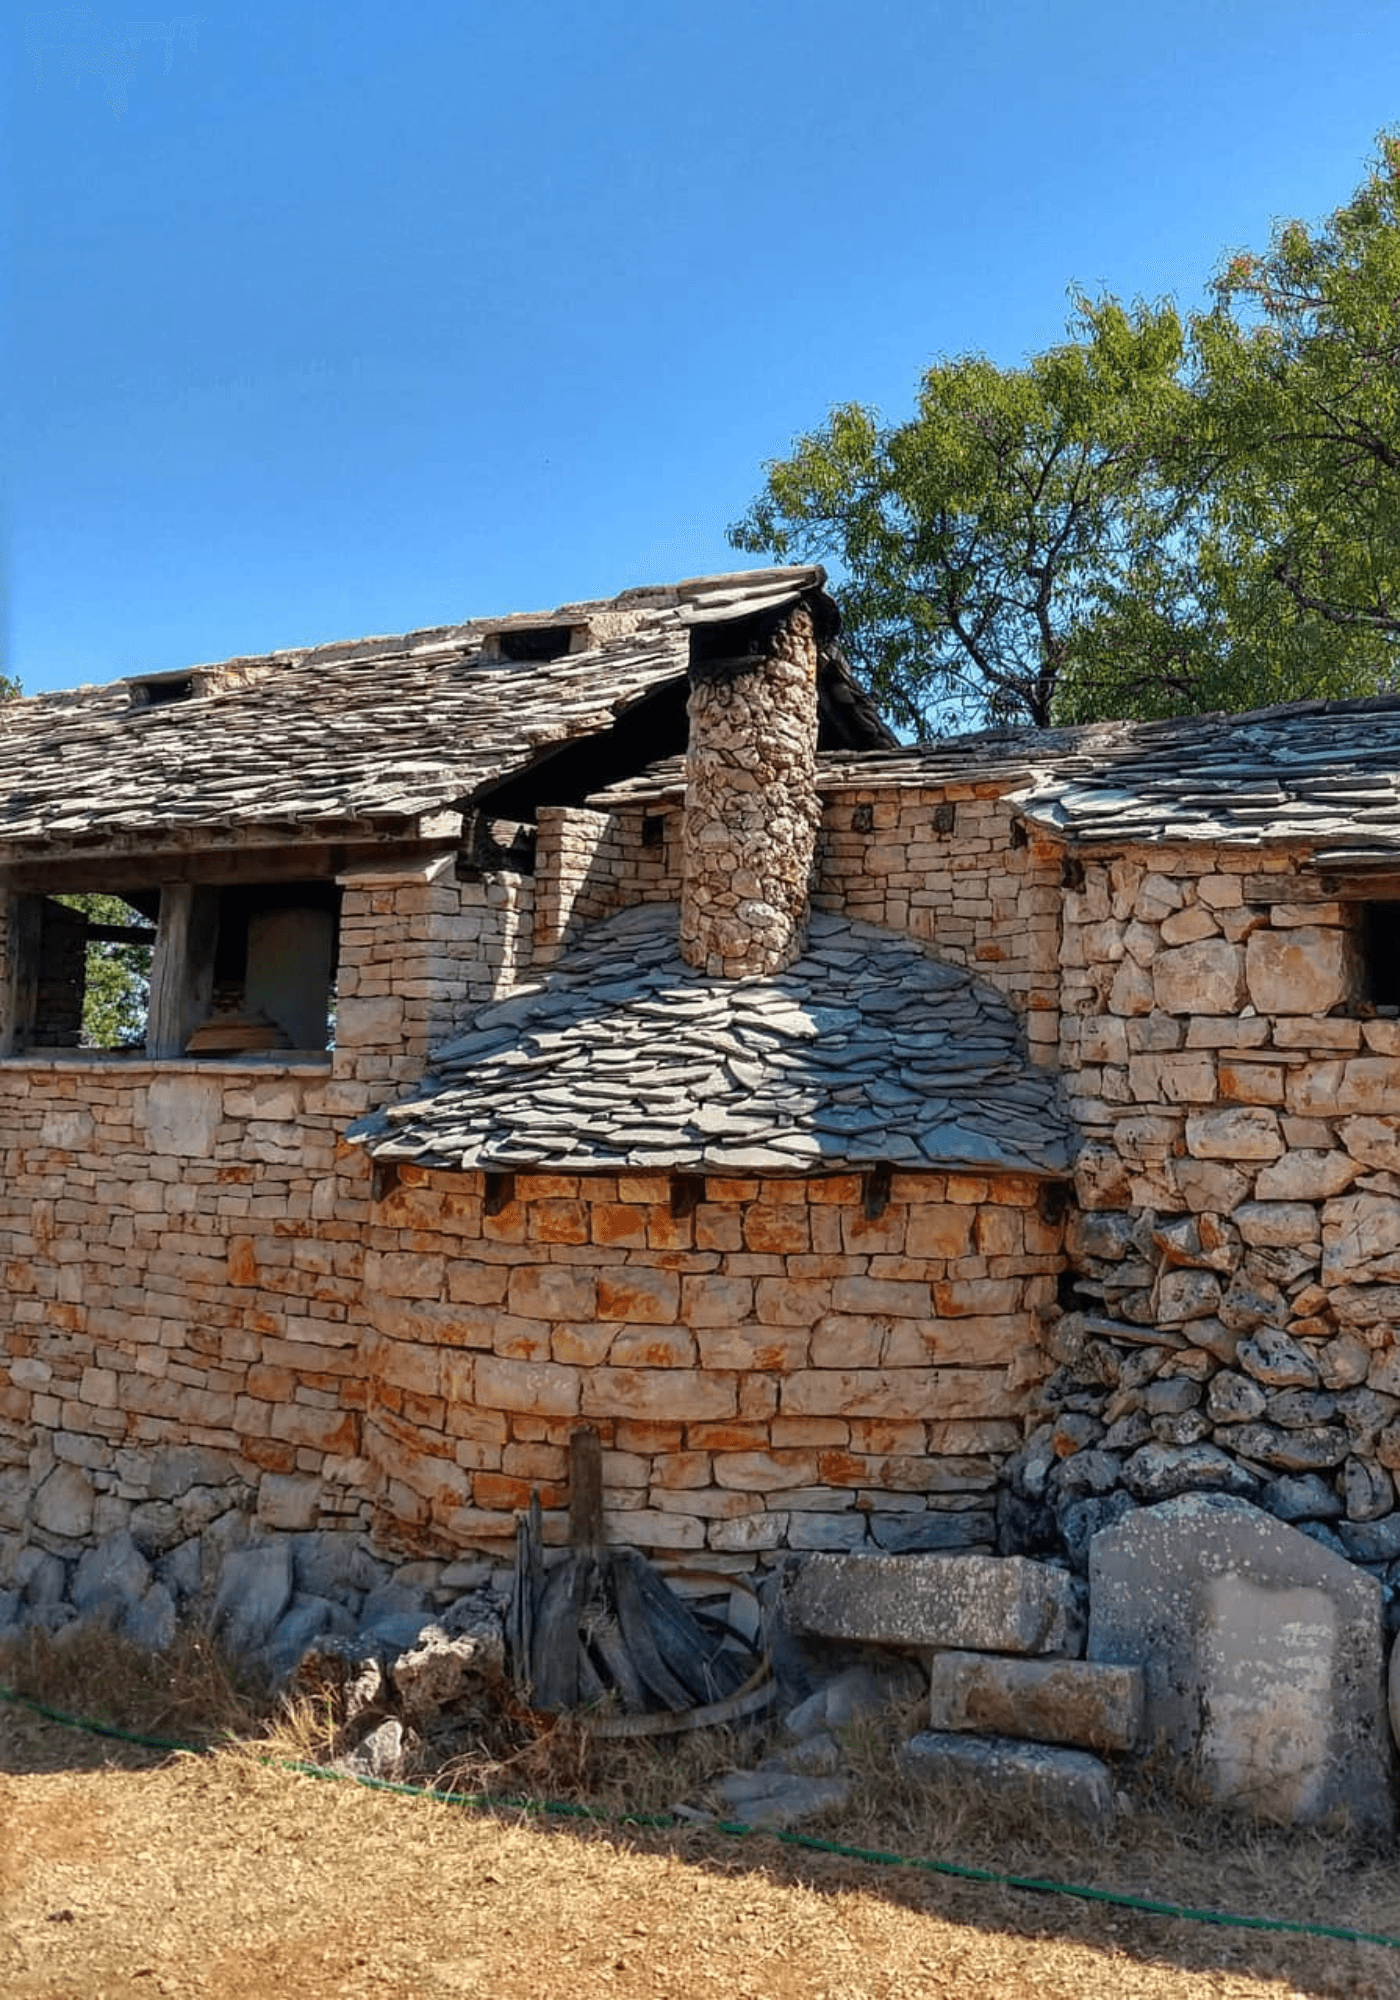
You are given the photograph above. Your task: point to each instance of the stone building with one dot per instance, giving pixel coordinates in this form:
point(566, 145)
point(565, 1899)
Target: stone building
point(595, 1018)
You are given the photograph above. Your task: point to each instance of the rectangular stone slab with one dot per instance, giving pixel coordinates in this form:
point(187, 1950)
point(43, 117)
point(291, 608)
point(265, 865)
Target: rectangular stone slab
point(1047, 1701)
point(1063, 1781)
point(970, 1603)
point(1262, 1656)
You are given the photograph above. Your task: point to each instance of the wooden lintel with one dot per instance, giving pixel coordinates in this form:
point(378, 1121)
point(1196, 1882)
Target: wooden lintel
point(1281, 888)
point(1361, 886)
point(111, 872)
point(1353, 883)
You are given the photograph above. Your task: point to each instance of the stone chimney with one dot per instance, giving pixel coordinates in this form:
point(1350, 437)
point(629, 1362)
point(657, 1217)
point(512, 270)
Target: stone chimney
point(751, 806)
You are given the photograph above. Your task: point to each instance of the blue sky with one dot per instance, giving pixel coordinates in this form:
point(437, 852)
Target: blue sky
point(357, 319)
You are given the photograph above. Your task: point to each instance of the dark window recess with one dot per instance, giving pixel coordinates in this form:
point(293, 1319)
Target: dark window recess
point(1380, 946)
point(498, 1192)
point(945, 817)
point(155, 693)
point(534, 642)
point(687, 1193)
point(862, 819)
point(653, 830)
point(875, 1190)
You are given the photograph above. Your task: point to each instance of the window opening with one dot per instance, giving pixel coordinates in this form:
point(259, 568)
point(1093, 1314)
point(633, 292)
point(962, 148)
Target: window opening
point(529, 644)
point(1380, 949)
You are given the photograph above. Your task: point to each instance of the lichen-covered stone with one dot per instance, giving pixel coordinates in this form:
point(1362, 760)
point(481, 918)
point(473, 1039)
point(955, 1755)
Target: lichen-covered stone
point(1051, 1779)
point(1079, 1702)
point(975, 1603)
point(1261, 1655)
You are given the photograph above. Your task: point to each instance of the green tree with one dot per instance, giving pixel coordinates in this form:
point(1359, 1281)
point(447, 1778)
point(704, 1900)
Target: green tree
point(1145, 520)
point(1300, 396)
point(118, 975)
point(977, 544)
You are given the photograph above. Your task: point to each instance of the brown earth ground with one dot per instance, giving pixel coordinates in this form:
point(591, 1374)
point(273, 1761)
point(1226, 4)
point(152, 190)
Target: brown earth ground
point(127, 1873)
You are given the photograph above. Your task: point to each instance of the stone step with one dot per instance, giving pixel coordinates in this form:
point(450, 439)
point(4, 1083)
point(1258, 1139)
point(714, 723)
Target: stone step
point(1080, 1702)
point(967, 1603)
point(1062, 1781)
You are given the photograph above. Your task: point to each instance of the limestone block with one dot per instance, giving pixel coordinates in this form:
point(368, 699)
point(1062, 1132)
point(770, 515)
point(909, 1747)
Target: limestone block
point(972, 1603)
point(287, 1500)
point(1184, 1294)
point(110, 1580)
point(1288, 1224)
point(1132, 993)
point(40, 1578)
point(1344, 1362)
point(1234, 1399)
point(1308, 1175)
point(826, 1531)
point(1261, 1655)
point(1065, 1781)
point(1370, 1085)
point(1302, 970)
point(1372, 1541)
point(1203, 1240)
point(151, 1621)
point(255, 1588)
point(903, 1534)
point(1209, 1185)
point(1189, 926)
point(1048, 1701)
point(1375, 1142)
point(1312, 1448)
point(780, 1798)
point(1158, 897)
point(183, 1115)
point(1368, 1488)
point(1203, 978)
point(67, 1129)
point(1300, 1496)
point(1250, 1133)
point(64, 1503)
point(1360, 1239)
point(1162, 1471)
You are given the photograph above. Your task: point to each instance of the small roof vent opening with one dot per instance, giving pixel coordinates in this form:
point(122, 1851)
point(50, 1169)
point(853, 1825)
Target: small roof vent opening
point(158, 690)
point(534, 644)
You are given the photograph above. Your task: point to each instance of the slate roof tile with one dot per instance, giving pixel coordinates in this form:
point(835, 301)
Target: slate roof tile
point(749, 1071)
point(363, 731)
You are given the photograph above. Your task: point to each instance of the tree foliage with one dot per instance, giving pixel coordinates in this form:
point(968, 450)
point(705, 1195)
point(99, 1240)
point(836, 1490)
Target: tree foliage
point(1150, 518)
point(117, 990)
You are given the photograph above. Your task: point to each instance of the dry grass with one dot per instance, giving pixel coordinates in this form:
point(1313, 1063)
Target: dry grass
point(191, 1694)
point(568, 1894)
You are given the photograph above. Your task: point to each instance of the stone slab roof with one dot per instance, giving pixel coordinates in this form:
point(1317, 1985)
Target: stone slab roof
point(864, 1050)
point(365, 732)
point(1322, 775)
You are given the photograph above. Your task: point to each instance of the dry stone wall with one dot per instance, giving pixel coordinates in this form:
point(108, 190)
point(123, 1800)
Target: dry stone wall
point(770, 1368)
point(1238, 1245)
point(953, 867)
point(210, 1311)
point(589, 864)
point(421, 948)
point(182, 1273)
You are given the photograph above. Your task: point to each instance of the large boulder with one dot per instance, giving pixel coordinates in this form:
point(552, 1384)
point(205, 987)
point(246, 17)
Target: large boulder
point(1261, 1655)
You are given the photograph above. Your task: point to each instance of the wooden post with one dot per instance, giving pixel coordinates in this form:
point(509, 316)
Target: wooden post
point(182, 966)
point(585, 1488)
point(19, 993)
